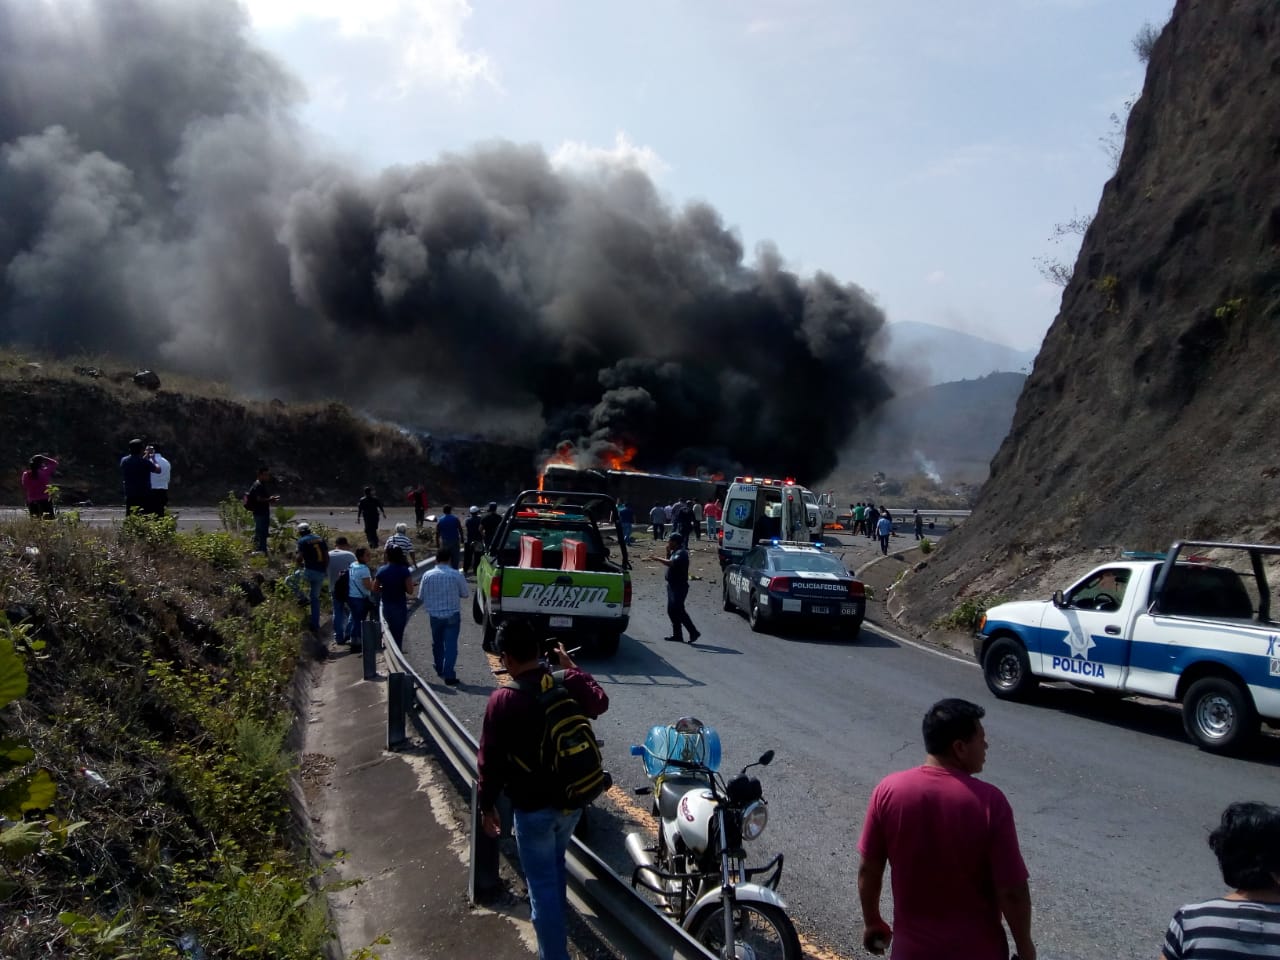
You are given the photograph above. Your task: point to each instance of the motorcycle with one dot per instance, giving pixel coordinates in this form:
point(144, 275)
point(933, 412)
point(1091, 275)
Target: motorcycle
point(698, 865)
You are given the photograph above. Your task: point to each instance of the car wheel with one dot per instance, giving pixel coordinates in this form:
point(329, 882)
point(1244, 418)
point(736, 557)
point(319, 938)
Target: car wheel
point(476, 613)
point(489, 643)
point(606, 643)
point(728, 602)
point(1007, 670)
point(853, 631)
point(753, 613)
point(1218, 715)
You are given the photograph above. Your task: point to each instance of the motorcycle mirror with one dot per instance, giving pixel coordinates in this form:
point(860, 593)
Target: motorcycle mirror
point(766, 758)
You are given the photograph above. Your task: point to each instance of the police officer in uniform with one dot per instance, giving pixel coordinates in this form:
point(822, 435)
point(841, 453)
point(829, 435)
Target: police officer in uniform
point(677, 564)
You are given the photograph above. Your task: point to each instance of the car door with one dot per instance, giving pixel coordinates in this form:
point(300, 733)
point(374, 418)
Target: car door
point(1083, 640)
point(748, 572)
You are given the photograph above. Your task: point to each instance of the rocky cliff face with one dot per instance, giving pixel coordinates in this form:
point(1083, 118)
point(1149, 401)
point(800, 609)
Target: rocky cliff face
point(1151, 411)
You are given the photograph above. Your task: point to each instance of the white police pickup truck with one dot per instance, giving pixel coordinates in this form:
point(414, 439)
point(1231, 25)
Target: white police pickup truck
point(1180, 626)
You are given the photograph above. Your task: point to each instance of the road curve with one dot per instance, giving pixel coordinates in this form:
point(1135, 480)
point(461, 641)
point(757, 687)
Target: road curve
point(1112, 804)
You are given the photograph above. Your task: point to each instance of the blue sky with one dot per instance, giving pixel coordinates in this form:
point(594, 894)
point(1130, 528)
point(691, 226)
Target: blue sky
point(923, 150)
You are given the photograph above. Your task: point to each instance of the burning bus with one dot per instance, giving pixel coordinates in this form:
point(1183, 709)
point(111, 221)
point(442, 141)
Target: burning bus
point(640, 490)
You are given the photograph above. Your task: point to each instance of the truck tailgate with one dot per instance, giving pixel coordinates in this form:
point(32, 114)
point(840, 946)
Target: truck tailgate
point(592, 594)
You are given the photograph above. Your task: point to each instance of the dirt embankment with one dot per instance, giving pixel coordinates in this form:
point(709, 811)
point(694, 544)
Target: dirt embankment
point(320, 453)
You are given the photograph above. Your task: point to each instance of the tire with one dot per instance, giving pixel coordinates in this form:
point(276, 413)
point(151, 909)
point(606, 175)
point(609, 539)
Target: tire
point(490, 642)
point(753, 614)
point(1007, 670)
point(606, 643)
point(852, 633)
point(728, 604)
point(1218, 715)
point(476, 613)
point(765, 928)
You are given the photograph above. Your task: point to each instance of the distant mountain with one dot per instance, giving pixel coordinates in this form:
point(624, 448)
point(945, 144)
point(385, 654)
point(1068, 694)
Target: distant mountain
point(941, 355)
point(948, 432)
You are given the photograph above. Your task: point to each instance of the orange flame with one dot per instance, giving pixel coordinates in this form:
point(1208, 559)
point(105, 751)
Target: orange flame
point(621, 458)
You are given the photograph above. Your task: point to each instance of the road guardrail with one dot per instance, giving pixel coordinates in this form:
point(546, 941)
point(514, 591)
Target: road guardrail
point(633, 923)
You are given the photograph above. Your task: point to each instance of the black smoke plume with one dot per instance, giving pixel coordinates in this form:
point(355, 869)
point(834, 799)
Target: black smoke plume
point(159, 201)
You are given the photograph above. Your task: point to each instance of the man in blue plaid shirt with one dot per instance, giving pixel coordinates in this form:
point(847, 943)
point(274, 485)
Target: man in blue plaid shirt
point(442, 590)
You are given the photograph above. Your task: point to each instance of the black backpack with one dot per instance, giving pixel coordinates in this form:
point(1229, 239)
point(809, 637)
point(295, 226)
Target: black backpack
point(569, 766)
point(342, 586)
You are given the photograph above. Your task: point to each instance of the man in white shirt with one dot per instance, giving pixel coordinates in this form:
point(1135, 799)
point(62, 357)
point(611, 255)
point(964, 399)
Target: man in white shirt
point(159, 481)
point(442, 590)
point(340, 559)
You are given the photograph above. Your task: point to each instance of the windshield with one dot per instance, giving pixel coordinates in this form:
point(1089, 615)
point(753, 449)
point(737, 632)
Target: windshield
point(805, 562)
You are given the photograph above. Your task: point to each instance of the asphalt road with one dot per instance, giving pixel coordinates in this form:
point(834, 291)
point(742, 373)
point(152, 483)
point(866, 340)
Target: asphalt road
point(1113, 805)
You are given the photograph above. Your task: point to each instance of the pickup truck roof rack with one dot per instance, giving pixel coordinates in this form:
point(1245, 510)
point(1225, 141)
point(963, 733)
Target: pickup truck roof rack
point(553, 504)
point(1256, 551)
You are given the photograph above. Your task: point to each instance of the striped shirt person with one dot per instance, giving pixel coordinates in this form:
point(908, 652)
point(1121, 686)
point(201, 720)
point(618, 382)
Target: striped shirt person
point(442, 590)
point(401, 539)
point(1246, 922)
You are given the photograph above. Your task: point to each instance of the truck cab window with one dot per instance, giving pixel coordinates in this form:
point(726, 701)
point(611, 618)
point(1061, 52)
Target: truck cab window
point(1104, 590)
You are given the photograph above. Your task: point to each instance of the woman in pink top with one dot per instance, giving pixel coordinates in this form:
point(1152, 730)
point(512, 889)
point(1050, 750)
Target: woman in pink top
point(35, 484)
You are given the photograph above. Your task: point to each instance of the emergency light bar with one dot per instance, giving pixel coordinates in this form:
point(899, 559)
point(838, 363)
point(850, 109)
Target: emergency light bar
point(766, 481)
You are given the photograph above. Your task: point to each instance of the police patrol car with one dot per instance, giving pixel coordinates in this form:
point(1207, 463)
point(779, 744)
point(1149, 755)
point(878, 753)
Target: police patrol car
point(761, 509)
point(779, 580)
point(1178, 626)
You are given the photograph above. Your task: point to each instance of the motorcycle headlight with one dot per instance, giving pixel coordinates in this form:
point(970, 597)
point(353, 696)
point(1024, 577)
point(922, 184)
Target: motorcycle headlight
point(754, 819)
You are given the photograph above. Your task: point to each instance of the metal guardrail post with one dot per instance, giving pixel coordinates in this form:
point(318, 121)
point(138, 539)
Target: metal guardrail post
point(399, 696)
point(370, 635)
point(483, 880)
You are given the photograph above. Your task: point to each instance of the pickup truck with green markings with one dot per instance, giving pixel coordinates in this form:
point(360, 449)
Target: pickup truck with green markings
point(590, 606)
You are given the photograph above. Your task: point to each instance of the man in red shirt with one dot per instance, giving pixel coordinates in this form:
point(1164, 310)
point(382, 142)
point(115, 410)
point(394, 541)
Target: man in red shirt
point(953, 847)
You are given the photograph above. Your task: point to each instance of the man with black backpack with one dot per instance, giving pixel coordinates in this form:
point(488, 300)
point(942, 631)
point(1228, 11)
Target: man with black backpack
point(313, 554)
point(537, 745)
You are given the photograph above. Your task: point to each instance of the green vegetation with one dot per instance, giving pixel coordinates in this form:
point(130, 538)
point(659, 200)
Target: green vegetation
point(1109, 287)
point(144, 772)
point(968, 613)
point(926, 546)
point(1230, 310)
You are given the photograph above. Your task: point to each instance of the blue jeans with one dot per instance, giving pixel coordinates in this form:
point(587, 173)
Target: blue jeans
point(358, 606)
point(340, 613)
point(261, 527)
point(712, 525)
point(542, 837)
point(444, 643)
point(396, 615)
point(316, 579)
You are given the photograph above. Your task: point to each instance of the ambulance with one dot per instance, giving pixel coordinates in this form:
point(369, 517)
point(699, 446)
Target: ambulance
point(764, 508)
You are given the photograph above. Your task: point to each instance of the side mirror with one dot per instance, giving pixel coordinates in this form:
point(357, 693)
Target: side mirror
point(766, 758)
point(1057, 598)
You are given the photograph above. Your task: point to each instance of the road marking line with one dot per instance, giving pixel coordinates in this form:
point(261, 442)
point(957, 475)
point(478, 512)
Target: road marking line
point(926, 647)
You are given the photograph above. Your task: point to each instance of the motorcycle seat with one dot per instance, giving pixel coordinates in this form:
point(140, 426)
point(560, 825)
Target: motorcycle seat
point(673, 788)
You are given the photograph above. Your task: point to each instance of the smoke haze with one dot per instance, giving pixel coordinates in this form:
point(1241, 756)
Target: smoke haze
point(160, 203)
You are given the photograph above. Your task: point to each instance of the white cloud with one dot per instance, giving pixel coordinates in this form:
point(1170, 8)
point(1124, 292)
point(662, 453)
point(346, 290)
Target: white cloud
point(579, 155)
point(423, 39)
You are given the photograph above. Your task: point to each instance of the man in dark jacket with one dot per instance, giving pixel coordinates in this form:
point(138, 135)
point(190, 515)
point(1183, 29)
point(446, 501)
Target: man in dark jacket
point(677, 564)
point(258, 501)
point(367, 510)
point(136, 471)
point(489, 523)
point(513, 728)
